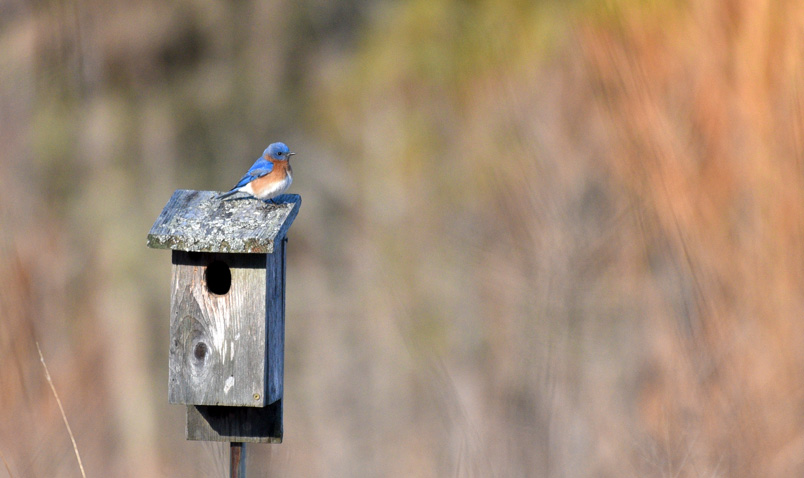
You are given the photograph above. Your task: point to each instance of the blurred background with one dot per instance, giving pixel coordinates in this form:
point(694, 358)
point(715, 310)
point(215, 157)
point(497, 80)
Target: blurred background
point(538, 239)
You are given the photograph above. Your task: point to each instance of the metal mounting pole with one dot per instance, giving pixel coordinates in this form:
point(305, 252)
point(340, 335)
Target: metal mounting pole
point(237, 457)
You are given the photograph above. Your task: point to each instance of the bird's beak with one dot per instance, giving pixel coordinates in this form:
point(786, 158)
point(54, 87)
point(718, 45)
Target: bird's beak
point(291, 154)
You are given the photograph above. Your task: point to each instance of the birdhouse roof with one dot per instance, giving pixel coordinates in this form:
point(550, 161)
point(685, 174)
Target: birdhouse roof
point(199, 221)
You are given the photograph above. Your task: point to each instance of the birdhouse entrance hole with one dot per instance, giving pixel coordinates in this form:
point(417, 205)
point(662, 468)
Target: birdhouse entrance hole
point(218, 278)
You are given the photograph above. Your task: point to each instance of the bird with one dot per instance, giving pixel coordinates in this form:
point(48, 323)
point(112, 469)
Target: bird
point(268, 177)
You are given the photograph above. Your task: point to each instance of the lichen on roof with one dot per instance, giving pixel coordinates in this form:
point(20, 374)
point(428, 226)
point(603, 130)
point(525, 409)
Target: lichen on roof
point(199, 221)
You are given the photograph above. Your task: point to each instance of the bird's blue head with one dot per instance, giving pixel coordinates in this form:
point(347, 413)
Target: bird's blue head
point(277, 151)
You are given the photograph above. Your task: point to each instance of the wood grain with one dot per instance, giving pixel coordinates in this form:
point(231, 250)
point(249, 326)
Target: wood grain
point(218, 342)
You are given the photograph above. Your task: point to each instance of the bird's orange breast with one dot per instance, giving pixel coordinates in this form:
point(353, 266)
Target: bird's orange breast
point(279, 173)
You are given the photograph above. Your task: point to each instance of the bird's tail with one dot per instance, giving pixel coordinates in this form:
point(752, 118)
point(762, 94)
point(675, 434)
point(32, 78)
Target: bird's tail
point(227, 194)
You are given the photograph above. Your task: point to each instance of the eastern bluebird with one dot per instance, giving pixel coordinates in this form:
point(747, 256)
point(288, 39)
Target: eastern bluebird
point(268, 177)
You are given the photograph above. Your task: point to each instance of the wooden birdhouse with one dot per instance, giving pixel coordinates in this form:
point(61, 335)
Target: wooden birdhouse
point(227, 312)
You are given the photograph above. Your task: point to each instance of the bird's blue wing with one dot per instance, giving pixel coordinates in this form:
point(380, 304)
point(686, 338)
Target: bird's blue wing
point(260, 168)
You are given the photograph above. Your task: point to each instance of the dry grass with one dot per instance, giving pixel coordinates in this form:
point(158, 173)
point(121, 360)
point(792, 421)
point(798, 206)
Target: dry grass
point(61, 410)
point(706, 131)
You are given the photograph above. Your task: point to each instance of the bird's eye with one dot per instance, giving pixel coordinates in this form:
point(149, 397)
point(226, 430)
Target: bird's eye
point(280, 153)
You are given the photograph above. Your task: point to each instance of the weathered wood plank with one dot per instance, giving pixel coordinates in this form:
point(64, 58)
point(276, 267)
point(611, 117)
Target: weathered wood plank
point(198, 221)
point(218, 341)
point(275, 318)
point(243, 424)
